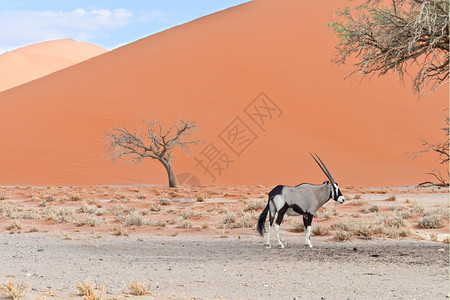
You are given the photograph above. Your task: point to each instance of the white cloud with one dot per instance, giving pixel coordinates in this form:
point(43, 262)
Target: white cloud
point(26, 27)
point(155, 15)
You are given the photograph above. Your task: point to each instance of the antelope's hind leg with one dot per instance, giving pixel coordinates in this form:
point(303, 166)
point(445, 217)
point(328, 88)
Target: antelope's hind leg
point(278, 223)
point(271, 218)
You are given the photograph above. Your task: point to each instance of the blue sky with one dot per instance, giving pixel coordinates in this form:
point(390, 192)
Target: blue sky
point(108, 23)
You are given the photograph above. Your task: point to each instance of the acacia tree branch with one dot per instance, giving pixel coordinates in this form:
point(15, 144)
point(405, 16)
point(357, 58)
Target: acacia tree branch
point(393, 38)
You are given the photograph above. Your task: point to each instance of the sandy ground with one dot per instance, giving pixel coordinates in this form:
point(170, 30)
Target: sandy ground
point(209, 267)
point(202, 244)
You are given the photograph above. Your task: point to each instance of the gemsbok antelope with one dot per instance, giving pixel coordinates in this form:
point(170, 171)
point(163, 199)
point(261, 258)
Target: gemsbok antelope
point(304, 199)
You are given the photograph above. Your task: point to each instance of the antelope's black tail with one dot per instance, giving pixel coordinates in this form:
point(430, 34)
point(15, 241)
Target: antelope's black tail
point(262, 219)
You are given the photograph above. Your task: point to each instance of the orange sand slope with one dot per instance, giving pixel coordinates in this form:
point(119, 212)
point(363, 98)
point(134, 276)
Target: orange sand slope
point(34, 61)
point(258, 80)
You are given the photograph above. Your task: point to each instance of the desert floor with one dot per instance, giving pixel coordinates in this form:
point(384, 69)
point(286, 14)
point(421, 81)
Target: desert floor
point(201, 242)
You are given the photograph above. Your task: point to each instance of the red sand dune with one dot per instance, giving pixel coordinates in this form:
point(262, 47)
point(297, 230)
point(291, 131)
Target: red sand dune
point(34, 61)
point(211, 70)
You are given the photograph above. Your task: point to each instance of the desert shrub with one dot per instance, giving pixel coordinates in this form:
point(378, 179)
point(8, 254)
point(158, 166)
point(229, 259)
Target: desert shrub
point(299, 226)
point(134, 219)
point(187, 214)
point(393, 232)
point(319, 230)
point(391, 198)
point(155, 207)
point(344, 225)
point(74, 197)
point(183, 223)
point(358, 202)
point(87, 220)
point(245, 220)
point(32, 214)
point(416, 209)
point(87, 209)
point(374, 208)
point(201, 198)
point(157, 223)
point(390, 225)
point(363, 230)
point(243, 197)
point(165, 201)
point(49, 198)
point(393, 225)
point(8, 211)
point(342, 235)
point(254, 205)
point(13, 290)
point(431, 222)
point(141, 196)
point(229, 220)
point(439, 211)
point(396, 208)
point(405, 214)
point(59, 214)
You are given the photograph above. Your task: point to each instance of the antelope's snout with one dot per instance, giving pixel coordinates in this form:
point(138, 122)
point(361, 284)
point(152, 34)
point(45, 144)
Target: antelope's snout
point(341, 199)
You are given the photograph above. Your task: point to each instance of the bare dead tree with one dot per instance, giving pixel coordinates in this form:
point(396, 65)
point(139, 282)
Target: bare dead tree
point(442, 149)
point(152, 142)
point(407, 36)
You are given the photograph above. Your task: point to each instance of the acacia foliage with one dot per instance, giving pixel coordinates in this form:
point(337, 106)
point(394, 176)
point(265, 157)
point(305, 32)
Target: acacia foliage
point(409, 37)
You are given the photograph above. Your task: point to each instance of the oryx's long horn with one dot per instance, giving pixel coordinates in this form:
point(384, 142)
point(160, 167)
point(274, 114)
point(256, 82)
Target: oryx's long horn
point(323, 167)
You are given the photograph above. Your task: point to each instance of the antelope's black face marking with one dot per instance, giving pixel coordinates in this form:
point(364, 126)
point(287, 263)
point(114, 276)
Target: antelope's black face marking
point(337, 195)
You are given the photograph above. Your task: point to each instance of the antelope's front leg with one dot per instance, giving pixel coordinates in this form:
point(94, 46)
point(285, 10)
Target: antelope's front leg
point(307, 220)
point(308, 237)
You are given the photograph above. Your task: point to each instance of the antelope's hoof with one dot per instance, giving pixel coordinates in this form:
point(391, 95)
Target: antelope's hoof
point(267, 246)
point(281, 246)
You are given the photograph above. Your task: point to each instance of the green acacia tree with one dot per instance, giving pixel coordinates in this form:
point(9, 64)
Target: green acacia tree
point(408, 37)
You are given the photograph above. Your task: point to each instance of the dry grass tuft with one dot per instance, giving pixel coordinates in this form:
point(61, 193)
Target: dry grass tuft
point(13, 290)
point(89, 290)
point(136, 288)
point(14, 226)
point(119, 231)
